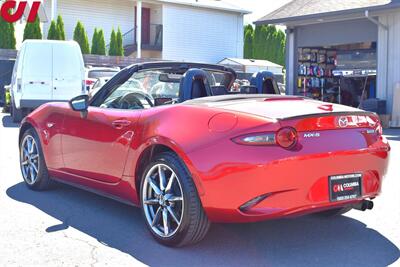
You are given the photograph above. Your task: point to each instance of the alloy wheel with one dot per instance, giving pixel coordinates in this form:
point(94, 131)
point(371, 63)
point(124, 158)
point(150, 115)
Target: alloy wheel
point(29, 158)
point(162, 199)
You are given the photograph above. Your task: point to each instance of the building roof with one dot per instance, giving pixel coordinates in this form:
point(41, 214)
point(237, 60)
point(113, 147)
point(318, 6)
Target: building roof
point(209, 4)
point(253, 62)
point(298, 10)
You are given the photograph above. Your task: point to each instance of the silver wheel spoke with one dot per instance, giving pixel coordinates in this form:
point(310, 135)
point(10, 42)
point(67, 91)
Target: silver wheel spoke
point(30, 146)
point(172, 213)
point(154, 186)
point(26, 152)
point(170, 182)
point(31, 174)
point(34, 167)
point(165, 221)
point(156, 217)
point(151, 202)
point(175, 199)
point(161, 176)
point(24, 163)
point(35, 156)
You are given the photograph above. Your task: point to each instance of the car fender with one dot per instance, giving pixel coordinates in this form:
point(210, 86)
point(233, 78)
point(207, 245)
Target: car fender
point(135, 155)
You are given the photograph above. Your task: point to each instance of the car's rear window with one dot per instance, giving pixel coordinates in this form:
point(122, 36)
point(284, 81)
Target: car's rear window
point(95, 74)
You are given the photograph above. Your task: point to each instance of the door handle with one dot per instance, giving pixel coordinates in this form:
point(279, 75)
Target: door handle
point(119, 124)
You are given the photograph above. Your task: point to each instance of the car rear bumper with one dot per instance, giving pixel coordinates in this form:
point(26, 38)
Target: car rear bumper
point(292, 186)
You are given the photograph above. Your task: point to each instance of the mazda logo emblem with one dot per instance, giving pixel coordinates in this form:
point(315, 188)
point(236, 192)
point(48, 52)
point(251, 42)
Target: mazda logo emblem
point(343, 122)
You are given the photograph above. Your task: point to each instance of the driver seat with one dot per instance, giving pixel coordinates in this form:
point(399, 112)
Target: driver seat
point(194, 84)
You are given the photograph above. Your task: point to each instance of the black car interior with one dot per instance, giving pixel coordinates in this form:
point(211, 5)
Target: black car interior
point(194, 80)
point(194, 84)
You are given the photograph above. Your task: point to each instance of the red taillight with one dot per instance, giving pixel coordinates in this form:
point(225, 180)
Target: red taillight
point(287, 137)
point(89, 82)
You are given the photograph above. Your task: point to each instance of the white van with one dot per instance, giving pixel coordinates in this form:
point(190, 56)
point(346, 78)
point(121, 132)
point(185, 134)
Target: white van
point(46, 71)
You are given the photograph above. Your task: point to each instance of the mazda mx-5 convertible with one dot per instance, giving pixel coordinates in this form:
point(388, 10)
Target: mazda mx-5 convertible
point(174, 140)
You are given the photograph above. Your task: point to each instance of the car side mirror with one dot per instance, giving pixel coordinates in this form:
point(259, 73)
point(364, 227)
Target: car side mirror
point(81, 104)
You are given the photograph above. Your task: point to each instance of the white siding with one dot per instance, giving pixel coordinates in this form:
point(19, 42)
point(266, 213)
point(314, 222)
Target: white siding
point(389, 57)
point(203, 35)
point(103, 14)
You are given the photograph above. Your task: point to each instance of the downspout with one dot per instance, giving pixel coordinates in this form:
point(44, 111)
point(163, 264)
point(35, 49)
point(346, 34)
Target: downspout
point(386, 28)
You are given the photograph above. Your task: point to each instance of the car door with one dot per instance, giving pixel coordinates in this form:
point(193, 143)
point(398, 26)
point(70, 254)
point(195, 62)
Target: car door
point(96, 147)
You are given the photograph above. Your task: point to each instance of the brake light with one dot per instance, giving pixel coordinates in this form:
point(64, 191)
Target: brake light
point(287, 137)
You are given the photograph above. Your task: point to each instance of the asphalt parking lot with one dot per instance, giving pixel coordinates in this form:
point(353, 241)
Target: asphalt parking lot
point(70, 227)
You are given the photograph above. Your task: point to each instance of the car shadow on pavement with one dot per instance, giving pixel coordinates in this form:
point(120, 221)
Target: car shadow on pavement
point(8, 123)
point(305, 241)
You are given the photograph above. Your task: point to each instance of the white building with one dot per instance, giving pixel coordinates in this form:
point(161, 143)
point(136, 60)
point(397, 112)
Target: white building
point(189, 30)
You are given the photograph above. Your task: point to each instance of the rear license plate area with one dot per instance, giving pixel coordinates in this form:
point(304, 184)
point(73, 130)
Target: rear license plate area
point(345, 187)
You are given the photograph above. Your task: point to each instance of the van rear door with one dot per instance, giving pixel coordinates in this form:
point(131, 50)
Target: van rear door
point(68, 71)
point(37, 71)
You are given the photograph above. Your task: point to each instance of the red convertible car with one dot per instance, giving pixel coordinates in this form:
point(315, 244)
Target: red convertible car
point(171, 138)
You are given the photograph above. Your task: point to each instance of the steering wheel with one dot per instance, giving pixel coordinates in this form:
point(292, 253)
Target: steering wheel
point(133, 100)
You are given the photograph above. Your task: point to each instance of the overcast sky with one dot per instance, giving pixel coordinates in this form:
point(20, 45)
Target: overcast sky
point(259, 8)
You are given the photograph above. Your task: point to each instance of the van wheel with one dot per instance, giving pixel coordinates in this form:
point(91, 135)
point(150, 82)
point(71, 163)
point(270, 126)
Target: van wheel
point(16, 114)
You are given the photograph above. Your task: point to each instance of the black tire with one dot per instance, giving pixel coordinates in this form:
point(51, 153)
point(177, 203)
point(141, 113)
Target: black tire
point(333, 212)
point(16, 114)
point(194, 222)
point(43, 180)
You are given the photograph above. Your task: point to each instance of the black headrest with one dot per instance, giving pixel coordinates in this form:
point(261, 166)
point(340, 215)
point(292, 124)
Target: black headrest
point(248, 89)
point(219, 90)
point(194, 84)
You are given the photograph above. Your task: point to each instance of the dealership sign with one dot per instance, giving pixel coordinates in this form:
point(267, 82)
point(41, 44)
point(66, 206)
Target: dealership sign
point(12, 12)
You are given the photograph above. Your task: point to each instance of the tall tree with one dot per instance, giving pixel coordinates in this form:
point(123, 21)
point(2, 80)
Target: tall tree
point(101, 43)
point(120, 46)
point(80, 36)
point(267, 43)
point(7, 34)
point(60, 27)
point(54, 33)
point(248, 42)
point(33, 30)
point(94, 42)
point(113, 44)
point(11, 33)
